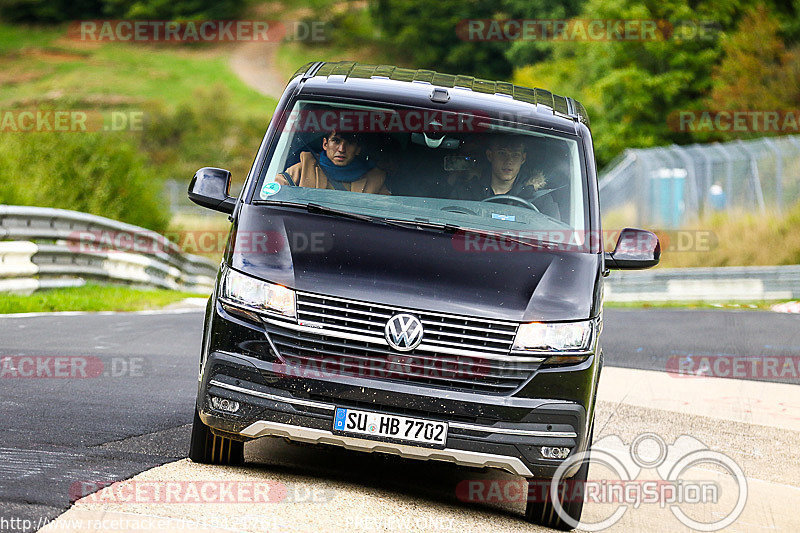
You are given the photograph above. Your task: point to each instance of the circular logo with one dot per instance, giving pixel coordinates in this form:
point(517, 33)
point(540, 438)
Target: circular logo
point(269, 189)
point(403, 332)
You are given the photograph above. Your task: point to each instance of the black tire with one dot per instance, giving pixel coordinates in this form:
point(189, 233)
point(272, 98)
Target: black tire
point(207, 448)
point(540, 509)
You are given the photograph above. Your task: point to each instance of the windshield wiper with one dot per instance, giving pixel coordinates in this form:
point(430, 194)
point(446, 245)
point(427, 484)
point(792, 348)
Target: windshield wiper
point(419, 224)
point(453, 228)
point(317, 208)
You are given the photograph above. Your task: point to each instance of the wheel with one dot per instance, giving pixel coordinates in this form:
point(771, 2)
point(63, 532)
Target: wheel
point(540, 509)
point(207, 448)
point(508, 198)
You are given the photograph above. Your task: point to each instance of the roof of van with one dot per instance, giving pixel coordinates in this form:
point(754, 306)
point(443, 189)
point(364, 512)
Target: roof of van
point(560, 105)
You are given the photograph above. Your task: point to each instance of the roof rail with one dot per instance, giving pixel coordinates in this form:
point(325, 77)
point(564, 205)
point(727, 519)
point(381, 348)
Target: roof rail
point(563, 106)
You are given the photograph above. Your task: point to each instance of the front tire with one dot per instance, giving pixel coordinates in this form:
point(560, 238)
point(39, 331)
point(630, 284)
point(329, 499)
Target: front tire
point(208, 448)
point(540, 509)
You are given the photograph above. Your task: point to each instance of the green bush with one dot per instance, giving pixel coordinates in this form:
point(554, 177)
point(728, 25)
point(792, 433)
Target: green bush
point(91, 172)
point(174, 9)
point(206, 132)
point(50, 11)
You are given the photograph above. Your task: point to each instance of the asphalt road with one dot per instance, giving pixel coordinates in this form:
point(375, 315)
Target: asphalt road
point(59, 431)
point(659, 339)
point(55, 432)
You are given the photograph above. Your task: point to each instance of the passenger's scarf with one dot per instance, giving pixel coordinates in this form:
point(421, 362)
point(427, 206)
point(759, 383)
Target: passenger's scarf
point(348, 173)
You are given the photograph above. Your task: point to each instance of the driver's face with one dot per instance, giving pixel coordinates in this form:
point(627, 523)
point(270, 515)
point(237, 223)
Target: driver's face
point(506, 160)
point(340, 150)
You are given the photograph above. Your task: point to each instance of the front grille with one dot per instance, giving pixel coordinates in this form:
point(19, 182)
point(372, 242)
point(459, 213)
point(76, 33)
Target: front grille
point(457, 352)
point(447, 331)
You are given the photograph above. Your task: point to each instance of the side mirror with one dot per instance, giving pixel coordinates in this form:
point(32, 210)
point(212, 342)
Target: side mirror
point(636, 249)
point(209, 188)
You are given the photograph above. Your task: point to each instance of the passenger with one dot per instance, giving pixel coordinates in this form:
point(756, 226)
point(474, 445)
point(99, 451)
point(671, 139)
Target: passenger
point(336, 167)
point(506, 155)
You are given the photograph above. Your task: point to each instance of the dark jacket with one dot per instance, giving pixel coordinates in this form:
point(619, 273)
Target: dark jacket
point(480, 188)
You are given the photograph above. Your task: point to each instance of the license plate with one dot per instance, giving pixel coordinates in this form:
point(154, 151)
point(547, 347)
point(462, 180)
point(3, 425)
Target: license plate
point(381, 426)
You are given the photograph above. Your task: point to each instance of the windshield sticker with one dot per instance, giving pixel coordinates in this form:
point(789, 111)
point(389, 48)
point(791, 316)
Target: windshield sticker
point(269, 189)
point(499, 216)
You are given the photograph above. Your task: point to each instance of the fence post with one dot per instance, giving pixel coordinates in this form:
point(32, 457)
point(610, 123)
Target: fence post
point(691, 178)
point(778, 172)
point(754, 173)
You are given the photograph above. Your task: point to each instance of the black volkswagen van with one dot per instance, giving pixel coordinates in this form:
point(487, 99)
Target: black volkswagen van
point(415, 267)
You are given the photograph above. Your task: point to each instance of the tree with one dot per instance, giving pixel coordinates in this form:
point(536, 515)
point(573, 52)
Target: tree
point(50, 11)
point(632, 88)
point(423, 34)
point(757, 71)
point(434, 35)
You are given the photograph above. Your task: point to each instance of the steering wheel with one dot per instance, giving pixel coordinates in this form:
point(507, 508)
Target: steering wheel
point(506, 198)
point(541, 193)
point(458, 209)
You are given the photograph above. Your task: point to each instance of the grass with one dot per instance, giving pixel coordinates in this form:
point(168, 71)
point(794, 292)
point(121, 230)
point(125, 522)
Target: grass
point(40, 65)
point(724, 239)
point(92, 297)
point(292, 55)
point(200, 235)
point(739, 239)
point(349, 30)
point(18, 36)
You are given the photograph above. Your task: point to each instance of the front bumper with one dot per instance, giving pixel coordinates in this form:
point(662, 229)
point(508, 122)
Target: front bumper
point(484, 431)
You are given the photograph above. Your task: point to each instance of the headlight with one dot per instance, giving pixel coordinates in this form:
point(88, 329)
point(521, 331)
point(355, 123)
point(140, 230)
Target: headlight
point(257, 295)
point(554, 337)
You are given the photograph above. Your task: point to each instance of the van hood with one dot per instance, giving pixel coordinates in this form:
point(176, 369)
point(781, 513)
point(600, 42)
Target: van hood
point(412, 268)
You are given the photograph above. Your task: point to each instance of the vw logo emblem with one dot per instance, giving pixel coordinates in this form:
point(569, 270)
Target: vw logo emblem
point(403, 332)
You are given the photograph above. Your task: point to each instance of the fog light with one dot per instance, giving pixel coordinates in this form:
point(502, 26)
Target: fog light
point(551, 452)
point(223, 404)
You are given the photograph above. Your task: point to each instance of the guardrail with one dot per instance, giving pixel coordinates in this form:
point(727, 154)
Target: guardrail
point(46, 247)
point(704, 284)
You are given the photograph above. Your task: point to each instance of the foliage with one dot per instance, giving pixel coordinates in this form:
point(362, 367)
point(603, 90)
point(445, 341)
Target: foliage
point(424, 34)
point(441, 27)
point(96, 173)
point(50, 11)
point(206, 132)
point(174, 9)
point(630, 88)
point(758, 72)
point(744, 238)
point(187, 123)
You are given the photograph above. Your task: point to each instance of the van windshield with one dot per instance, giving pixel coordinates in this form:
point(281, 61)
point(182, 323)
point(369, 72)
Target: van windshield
point(429, 166)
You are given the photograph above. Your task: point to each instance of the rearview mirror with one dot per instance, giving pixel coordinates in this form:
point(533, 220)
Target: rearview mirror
point(209, 188)
point(635, 249)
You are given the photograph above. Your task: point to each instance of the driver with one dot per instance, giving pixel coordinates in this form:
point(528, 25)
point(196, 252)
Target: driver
point(336, 167)
point(506, 155)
